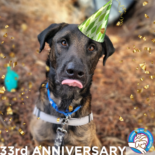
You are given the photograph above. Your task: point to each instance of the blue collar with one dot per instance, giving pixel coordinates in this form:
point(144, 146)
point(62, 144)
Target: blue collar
point(53, 104)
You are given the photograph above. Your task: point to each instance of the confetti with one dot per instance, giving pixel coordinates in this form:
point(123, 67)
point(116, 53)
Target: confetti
point(14, 99)
point(21, 131)
point(137, 68)
point(146, 87)
point(145, 114)
point(4, 97)
point(58, 119)
point(1, 113)
point(47, 68)
point(121, 61)
point(144, 38)
point(30, 85)
point(14, 64)
point(153, 40)
point(146, 16)
point(10, 119)
point(24, 123)
point(2, 55)
point(148, 99)
point(5, 35)
point(143, 66)
point(141, 79)
point(13, 90)
point(9, 111)
point(135, 108)
point(2, 90)
point(27, 97)
point(6, 26)
point(13, 46)
point(102, 30)
point(138, 84)
point(12, 38)
point(118, 23)
point(145, 3)
point(146, 128)
point(152, 149)
point(37, 51)
point(39, 147)
point(147, 72)
point(42, 85)
point(139, 90)
point(139, 36)
point(2, 42)
point(131, 97)
point(121, 119)
point(70, 108)
point(0, 131)
point(134, 51)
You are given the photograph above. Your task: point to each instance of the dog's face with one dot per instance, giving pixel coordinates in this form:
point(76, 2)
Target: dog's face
point(73, 56)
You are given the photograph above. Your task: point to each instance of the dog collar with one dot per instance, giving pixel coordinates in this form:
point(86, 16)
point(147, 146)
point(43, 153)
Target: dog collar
point(53, 104)
point(71, 121)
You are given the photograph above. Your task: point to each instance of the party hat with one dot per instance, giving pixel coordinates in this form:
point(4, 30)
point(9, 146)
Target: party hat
point(95, 26)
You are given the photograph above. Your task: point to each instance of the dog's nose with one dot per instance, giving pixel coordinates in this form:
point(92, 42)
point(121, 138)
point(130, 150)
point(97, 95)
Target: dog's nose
point(74, 71)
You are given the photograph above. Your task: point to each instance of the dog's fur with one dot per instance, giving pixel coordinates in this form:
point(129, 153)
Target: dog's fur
point(77, 53)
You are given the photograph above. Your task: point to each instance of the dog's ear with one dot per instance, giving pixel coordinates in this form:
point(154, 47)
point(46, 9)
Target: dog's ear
point(48, 34)
point(108, 48)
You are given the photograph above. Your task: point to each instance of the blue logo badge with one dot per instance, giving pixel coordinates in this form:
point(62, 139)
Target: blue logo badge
point(140, 140)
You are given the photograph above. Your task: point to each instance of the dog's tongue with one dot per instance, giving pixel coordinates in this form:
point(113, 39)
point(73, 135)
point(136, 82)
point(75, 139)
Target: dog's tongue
point(73, 83)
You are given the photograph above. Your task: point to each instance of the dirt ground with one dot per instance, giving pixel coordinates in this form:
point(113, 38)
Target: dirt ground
point(112, 85)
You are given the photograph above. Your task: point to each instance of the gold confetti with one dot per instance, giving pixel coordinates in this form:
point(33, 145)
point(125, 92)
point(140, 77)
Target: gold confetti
point(2, 42)
point(121, 61)
point(10, 119)
point(9, 111)
point(146, 128)
point(23, 64)
point(145, 3)
point(153, 40)
point(102, 30)
point(21, 131)
point(24, 27)
point(6, 26)
point(47, 68)
point(38, 118)
point(5, 35)
point(139, 36)
point(121, 119)
point(27, 97)
point(70, 108)
point(2, 55)
point(58, 119)
point(2, 139)
point(146, 87)
point(128, 47)
point(2, 90)
point(138, 84)
point(139, 90)
point(24, 123)
point(135, 108)
point(152, 149)
point(37, 51)
point(14, 99)
point(22, 93)
point(134, 51)
point(39, 147)
point(118, 23)
point(16, 78)
point(148, 99)
point(151, 77)
point(13, 46)
point(131, 97)
point(42, 85)
point(14, 64)
point(12, 38)
point(143, 66)
point(22, 99)
point(13, 90)
point(144, 38)
point(137, 68)
point(145, 114)
point(141, 79)
point(29, 74)
point(1, 113)
point(4, 97)
point(12, 54)
point(147, 72)
point(0, 131)
point(146, 16)
point(30, 85)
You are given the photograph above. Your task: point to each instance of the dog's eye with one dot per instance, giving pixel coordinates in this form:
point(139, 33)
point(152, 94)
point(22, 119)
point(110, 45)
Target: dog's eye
point(64, 42)
point(91, 48)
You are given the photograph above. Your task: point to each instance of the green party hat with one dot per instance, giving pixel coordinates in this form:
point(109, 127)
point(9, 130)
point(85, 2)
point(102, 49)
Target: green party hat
point(95, 26)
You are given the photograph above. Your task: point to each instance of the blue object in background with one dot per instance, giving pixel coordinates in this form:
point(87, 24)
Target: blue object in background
point(11, 79)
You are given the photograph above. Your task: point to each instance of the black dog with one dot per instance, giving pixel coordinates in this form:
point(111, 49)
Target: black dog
point(72, 59)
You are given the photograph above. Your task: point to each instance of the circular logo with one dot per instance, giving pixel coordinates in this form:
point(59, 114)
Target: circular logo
point(140, 140)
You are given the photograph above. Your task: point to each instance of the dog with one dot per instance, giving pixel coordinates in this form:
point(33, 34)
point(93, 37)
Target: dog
point(72, 59)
